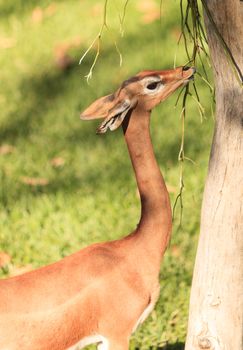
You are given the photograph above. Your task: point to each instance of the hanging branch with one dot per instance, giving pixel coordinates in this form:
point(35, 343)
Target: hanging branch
point(122, 18)
point(98, 40)
point(192, 32)
point(181, 156)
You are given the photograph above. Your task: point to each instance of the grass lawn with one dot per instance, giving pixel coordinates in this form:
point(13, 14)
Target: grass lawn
point(61, 186)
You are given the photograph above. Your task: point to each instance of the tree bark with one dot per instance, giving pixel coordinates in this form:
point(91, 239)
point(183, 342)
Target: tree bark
point(216, 303)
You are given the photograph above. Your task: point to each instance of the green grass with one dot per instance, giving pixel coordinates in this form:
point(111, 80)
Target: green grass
point(92, 196)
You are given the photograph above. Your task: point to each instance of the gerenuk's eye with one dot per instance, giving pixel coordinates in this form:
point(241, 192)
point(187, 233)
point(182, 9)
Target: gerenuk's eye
point(153, 86)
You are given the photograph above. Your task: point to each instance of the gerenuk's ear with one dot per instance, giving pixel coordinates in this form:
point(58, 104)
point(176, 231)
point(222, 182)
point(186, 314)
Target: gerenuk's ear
point(99, 108)
point(115, 116)
point(113, 108)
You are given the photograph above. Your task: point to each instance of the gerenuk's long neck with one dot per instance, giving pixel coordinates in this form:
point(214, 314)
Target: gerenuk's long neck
point(155, 223)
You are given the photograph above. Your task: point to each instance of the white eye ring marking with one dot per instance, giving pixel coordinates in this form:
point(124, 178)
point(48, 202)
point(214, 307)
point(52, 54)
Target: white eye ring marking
point(153, 86)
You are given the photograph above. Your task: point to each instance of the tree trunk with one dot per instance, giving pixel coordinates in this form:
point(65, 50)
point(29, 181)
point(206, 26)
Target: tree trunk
point(216, 304)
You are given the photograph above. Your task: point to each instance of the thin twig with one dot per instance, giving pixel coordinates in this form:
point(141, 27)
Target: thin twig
point(122, 18)
point(192, 31)
point(97, 41)
point(178, 98)
point(181, 155)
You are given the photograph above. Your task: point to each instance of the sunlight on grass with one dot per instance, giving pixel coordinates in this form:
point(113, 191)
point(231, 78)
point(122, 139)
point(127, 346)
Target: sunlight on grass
point(50, 209)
